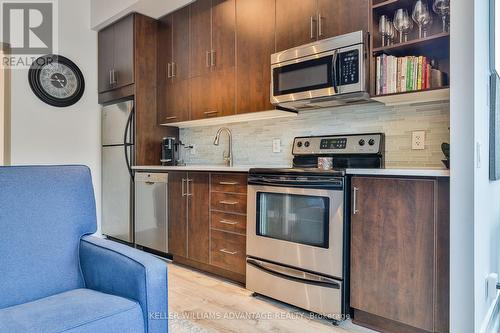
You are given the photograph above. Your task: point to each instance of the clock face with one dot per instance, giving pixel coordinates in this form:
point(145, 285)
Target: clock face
point(56, 80)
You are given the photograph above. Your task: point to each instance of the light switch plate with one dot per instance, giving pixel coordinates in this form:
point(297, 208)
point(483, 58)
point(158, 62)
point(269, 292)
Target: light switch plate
point(276, 146)
point(418, 140)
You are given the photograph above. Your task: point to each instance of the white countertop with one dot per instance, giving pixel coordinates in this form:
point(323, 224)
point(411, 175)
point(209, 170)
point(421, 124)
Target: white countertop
point(195, 167)
point(411, 172)
point(401, 172)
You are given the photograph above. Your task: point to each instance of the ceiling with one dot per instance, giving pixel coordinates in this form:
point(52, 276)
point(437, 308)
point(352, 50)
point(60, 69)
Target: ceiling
point(106, 12)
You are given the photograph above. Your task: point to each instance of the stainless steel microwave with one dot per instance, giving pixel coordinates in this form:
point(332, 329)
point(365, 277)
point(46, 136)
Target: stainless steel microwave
point(326, 73)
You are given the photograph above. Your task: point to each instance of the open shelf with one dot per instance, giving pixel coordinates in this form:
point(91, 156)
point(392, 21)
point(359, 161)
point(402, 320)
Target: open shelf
point(412, 97)
point(436, 41)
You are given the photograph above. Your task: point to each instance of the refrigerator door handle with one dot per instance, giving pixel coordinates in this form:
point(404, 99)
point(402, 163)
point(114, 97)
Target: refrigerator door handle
point(126, 145)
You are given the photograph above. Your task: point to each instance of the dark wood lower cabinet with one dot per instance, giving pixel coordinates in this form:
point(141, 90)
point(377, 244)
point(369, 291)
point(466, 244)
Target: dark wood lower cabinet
point(400, 254)
point(177, 214)
point(217, 246)
point(198, 218)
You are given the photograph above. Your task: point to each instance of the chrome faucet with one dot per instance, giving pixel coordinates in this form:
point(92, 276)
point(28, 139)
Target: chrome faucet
point(228, 157)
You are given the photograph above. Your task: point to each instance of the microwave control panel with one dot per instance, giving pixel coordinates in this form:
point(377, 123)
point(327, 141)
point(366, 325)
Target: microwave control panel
point(349, 67)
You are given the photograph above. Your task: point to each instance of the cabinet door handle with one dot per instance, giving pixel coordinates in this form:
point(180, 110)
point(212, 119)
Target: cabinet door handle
point(320, 25)
point(355, 200)
point(170, 118)
point(312, 27)
point(228, 252)
point(228, 183)
point(212, 58)
point(208, 58)
point(183, 187)
point(228, 222)
point(110, 77)
point(225, 202)
point(189, 193)
point(174, 69)
point(210, 113)
point(169, 70)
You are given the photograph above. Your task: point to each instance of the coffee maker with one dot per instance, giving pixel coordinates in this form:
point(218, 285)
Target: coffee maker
point(169, 151)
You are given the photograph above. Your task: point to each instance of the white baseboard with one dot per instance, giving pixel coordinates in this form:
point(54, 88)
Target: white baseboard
point(491, 322)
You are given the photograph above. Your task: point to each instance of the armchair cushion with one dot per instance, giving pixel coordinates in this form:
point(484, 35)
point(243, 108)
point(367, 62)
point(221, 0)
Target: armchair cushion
point(78, 310)
point(120, 270)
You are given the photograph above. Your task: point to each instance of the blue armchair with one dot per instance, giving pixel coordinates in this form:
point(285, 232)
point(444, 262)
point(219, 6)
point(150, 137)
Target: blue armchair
point(54, 277)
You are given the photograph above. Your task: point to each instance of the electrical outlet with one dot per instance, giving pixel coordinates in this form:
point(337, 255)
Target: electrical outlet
point(418, 140)
point(276, 146)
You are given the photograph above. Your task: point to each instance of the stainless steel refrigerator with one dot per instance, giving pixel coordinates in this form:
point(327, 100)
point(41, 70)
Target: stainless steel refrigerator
point(117, 176)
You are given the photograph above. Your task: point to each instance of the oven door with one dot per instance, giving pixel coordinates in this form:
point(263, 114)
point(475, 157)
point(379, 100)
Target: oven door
point(298, 227)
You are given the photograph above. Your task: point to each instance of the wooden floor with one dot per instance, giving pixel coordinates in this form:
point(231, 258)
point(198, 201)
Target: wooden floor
point(202, 303)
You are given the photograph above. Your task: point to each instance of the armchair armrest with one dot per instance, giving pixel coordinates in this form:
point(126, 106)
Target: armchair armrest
point(120, 270)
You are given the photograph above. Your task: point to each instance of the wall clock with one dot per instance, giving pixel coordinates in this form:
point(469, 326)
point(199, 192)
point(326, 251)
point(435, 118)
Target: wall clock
point(56, 80)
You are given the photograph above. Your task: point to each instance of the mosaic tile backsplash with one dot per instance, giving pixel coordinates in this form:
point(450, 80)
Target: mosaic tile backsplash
point(252, 141)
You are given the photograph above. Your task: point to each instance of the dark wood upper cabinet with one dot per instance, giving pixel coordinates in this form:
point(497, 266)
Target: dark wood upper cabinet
point(200, 37)
point(212, 58)
point(116, 55)
point(296, 23)
point(300, 22)
point(177, 214)
point(397, 242)
point(124, 51)
point(338, 17)
point(223, 34)
point(198, 212)
point(106, 58)
point(255, 43)
point(173, 67)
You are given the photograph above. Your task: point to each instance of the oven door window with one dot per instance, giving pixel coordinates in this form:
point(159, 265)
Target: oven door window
point(302, 219)
point(303, 76)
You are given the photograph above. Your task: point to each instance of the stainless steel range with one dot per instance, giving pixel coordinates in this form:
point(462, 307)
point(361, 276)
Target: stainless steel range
point(298, 223)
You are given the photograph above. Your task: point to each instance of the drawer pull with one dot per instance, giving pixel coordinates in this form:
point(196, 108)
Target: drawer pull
point(228, 183)
point(228, 252)
point(224, 202)
point(228, 222)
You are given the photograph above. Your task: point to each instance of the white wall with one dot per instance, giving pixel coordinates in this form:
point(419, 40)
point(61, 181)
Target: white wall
point(462, 167)
point(486, 193)
point(42, 134)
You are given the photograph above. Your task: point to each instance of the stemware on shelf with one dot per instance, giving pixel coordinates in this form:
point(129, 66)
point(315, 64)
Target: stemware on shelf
point(422, 16)
point(382, 28)
point(442, 8)
point(403, 24)
point(390, 32)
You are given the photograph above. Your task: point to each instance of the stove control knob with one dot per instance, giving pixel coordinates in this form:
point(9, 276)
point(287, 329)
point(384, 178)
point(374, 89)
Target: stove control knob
point(299, 144)
point(306, 144)
point(371, 142)
point(362, 142)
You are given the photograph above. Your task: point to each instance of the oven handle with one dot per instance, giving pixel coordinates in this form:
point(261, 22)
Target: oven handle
point(332, 186)
point(321, 281)
point(303, 184)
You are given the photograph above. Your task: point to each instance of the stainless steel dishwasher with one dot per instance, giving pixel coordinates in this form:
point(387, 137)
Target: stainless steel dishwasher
point(151, 210)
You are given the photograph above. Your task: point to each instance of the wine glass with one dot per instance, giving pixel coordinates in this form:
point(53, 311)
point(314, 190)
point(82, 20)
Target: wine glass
point(382, 27)
point(402, 23)
point(442, 8)
point(422, 16)
point(390, 32)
